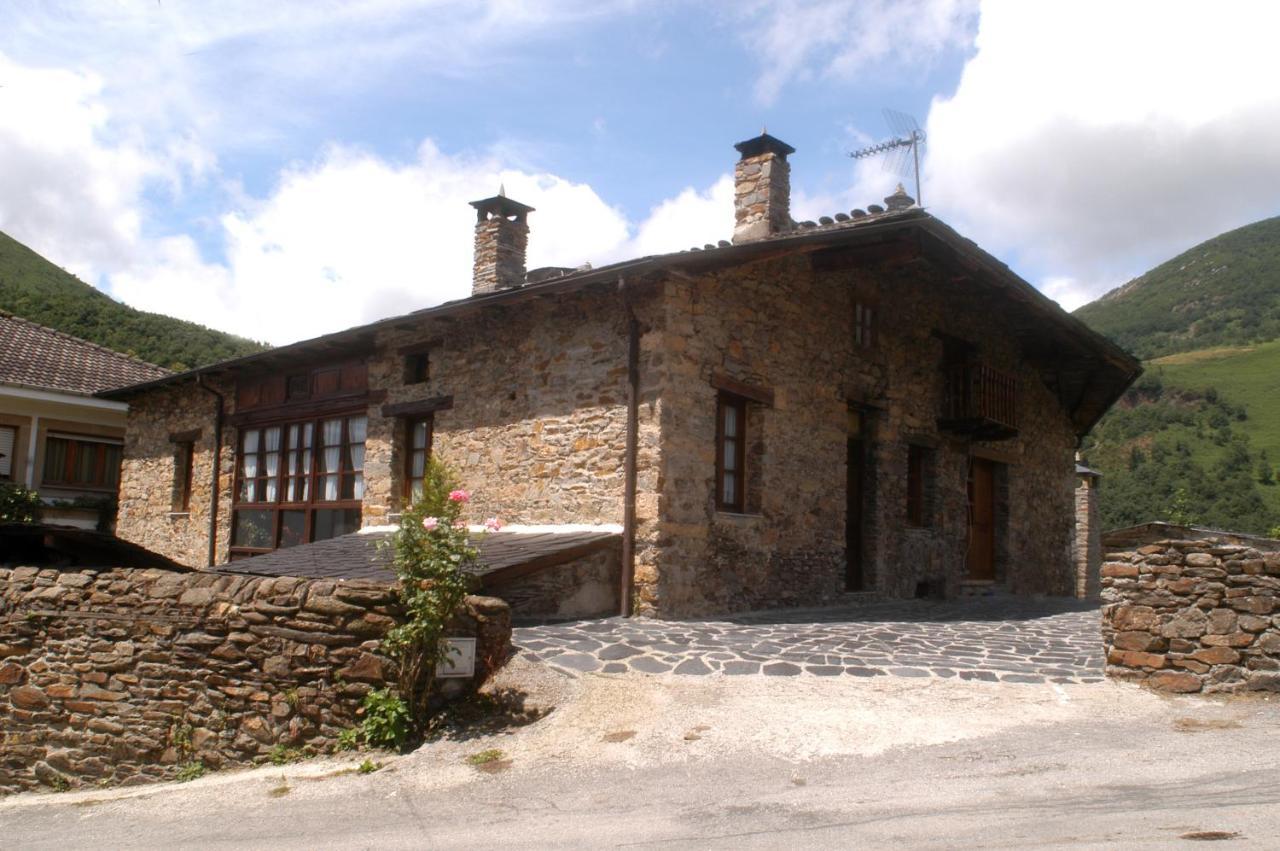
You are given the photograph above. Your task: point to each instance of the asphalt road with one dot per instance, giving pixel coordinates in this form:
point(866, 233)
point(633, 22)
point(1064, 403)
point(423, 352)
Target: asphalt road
point(1113, 768)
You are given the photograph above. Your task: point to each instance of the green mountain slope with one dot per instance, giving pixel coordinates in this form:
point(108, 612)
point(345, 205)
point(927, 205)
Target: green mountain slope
point(1223, 292)
point(1198, 438)
point(36, 289)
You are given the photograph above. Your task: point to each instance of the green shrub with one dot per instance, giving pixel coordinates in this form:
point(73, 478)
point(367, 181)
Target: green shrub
point(18, 504)
point(347, 740)
point(386, 721)
point(190, 771)
point(432, 554)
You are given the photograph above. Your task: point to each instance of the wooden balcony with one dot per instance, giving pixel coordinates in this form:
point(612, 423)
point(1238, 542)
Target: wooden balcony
point(979, 402)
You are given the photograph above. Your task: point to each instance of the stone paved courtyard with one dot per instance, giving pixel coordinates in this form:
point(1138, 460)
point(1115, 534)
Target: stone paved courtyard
point(1007, 640)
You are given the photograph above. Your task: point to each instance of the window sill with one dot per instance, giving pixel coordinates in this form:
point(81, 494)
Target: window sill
point(738, 515)
point(179, 515)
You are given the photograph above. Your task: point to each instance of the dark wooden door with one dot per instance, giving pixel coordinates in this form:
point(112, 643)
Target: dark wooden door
point(982, 520)
point(853, 518)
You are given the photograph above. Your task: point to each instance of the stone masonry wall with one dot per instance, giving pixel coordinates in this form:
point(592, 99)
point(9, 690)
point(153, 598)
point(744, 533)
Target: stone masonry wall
point(120, 676)
point(537, 429)
point(1193, 616)
point(781, 325)
point(1087, 546)
point(146, 514)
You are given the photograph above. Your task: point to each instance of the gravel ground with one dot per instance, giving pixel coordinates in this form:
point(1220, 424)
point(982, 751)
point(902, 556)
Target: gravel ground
point(738, 762)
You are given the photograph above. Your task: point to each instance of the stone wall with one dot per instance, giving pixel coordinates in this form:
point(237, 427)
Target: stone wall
point(1193, 616)
point(119, 676)
point(784, 326)
point(146, 514)
point(1086, 549)
point(586, 587)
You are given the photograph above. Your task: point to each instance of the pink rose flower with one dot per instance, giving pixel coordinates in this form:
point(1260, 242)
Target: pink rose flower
point(493, 524)
point(430, 523)
point(460, 496)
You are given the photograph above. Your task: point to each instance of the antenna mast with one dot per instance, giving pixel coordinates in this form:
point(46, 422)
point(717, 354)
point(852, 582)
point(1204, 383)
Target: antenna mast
point(907, 136)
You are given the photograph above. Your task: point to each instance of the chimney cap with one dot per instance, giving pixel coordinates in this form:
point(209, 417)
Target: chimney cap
point(501, 205)
point(764, 144)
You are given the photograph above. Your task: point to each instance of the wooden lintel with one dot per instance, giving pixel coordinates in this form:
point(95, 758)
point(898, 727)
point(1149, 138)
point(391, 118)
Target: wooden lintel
point(750, 392)
point(308, 410)
point(993, 455)
point(420, 348)
point(188, 436)
point(418, 407)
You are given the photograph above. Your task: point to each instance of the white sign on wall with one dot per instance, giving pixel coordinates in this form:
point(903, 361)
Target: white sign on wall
point(460, 660)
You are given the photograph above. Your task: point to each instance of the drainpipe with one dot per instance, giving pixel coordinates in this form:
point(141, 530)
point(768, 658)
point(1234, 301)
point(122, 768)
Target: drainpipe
point(217, 457)
point(632, 448)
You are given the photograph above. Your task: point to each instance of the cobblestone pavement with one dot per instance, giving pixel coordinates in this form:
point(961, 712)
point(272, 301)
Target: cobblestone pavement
point(1007, 640)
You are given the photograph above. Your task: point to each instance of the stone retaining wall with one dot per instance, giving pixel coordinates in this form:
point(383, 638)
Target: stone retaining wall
point(1193, 616)
point(120, 676)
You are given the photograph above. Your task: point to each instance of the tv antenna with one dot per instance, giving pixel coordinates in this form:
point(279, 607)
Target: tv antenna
point(906, 142)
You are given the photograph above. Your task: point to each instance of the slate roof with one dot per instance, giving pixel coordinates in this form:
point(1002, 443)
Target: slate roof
point(40, 358)
point(503, 555)
point(46, 544)
point(1089, 371)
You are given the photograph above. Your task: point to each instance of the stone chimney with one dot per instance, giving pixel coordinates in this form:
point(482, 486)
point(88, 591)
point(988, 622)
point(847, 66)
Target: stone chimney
point(502, 236)
point(762, 189)
point(899, 200)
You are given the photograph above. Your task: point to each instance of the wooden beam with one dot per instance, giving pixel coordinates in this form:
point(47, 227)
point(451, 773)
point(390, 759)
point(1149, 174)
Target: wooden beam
point(751, 392)
point(418, 407)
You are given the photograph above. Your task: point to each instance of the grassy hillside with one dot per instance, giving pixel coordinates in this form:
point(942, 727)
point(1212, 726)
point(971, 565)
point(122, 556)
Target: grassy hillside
point(1198, 439)
point(1223, 292)
point(35, 289)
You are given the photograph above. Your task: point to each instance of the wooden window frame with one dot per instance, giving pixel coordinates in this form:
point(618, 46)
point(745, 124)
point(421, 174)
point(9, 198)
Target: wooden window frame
point(865, 314)
point(76, 444)
point(8, 477)
point(726, 402)
point(313, 477)
point(410, 423)
point(184, 454)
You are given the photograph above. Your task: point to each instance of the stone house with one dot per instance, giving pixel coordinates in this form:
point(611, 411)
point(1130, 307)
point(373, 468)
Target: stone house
point(867, 403)
point(56, 437)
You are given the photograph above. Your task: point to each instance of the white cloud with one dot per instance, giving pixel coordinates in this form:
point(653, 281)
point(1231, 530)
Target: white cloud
point(352, 238)
point(62, 190)
point(841, 39)
point(1097, 139)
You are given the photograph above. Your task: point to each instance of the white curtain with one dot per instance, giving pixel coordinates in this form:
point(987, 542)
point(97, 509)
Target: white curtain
point(249, 464)
point(356, 432)
point(332, 442)
point(272, 460)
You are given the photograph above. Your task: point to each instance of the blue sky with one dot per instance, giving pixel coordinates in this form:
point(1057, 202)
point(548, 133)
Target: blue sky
point(282, 170)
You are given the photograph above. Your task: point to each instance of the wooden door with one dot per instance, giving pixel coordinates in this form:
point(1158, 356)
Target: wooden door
point(853, 518)
point(981, 558)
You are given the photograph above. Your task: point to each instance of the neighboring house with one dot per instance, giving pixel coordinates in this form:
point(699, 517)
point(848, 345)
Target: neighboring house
point(866, 403)
point(56, 437)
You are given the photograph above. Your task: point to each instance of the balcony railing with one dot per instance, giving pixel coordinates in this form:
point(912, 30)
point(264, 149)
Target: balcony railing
point(980, 402)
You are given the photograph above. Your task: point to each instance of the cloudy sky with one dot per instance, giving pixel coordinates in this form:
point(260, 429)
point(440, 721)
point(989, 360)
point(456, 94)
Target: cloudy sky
point(283, 170)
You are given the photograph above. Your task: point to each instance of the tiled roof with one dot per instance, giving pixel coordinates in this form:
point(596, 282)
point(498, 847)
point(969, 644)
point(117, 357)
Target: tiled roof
point(41, 358)
point(364, 555)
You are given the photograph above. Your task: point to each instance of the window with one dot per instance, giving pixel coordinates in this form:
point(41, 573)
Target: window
point(76, 461)
point(731, 451)
point(417, 451)
point(919, 483)
point(184, 452)
point(8, 442)
point(416, 367)
point(298, 482)
point(864, 315)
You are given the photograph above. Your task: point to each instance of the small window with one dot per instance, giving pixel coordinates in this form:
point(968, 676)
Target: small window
point(297, 387)
point(183, 462)
point(81, 462)
point(417, 451)
point(864, 323)
point(8, 442)
point(731, 452)
point(919, 484)
point(416, 368)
